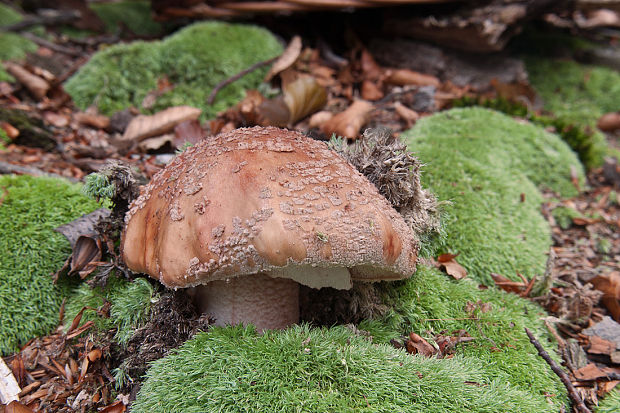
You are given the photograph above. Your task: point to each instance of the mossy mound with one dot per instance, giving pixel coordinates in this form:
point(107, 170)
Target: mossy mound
point(318, 370)
point(194, 60)
point(130, 303)
point(30, 250)
point(611, 403)
point(12, 46)
point(430, 303)
point(489, 167)
point(133, 14)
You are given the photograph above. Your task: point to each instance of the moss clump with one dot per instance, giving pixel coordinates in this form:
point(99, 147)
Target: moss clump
point(430, 303)
point(611, 403)
point(564, 216)
point(130, 305)
point(488, 166)
point(317, 370)
point(133, 14)
point(30, 250)
point(12, 46)
point(194, 60)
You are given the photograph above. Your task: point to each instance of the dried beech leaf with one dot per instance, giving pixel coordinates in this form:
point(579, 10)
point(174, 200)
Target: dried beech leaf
point(370, 68)
point(274, 112)
point(116, 407)
point(17, 407)
point(447, 257)
point(418, 345)
point(609, 284)
point(85, 252)
point(371, 91)
point(156, 142)
point(91, 119)
point(404, 77)
point(188, 131)
point(143, 126)
point(303, 97)
point(349, 122)
point(286, 59)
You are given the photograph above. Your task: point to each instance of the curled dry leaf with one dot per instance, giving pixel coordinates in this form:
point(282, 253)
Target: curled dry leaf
point(418, 345)
point(447, 263)
point(154, 143)
point(91, 119)
point(609, 122)
point(371, 91)
point(35, 84)
point(404, 77)
point(11, 131)
point(350, 122)
point(143, 126)
point(303, 97)
point(286, 59)
point(17, 407)
point(609, 284)
point(370, 69)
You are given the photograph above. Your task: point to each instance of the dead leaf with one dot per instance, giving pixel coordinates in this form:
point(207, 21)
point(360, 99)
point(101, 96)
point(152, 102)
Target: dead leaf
point(447, 257)
point(94, 355)
point(599, 345)
point(286, 59)
point(609, 122)
point(156, 142)
point(370, 69)
point(418, 345)
point(409, 116)
point(83, 226)
point(589, 373)
point(143, 126)
point(11, 131)
point(371, 91)
point(91, 119)
point(303, 97)
point(56, 119)
point(349, 122)
point(506, 284)
point(17, 407)
point(404, 77)
point(447, 263)
point(274, 112)
point(609, 284)
point(319, 118)
point(188, 131)
point(35, 84)
point(85, 256)
point(116, 407)
point(515, 92)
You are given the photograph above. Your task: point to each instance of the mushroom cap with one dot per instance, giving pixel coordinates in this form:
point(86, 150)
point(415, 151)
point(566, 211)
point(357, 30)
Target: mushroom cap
point(265, 200)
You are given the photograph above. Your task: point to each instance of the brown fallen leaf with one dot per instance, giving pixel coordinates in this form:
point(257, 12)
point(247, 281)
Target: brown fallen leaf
point(303, 97)
point(286, 59)
point(418, 345)
point(349, 122)
point(188, 131)
point(599, 345)
point(156, 142)
point(56, 119)
point(116, 407)
point(35, 84)
point(17, 407)
point(609, 122)
point(408, 115)
point(609, 284)
point(11, 131)
point(85, 256)
point(371, 91)
point(319, 118)
point(97, 121)
point(515, 92)
point(404, 77)
point(447, 263)
point(506, 284)
point(370, 69)
point(147, 126)
point(589, 372)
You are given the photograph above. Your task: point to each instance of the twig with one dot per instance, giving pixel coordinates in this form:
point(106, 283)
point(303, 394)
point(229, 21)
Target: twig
point(8, 168)
point(50, 45)
point(236, 77)
point(48, 17)
point(572, 392)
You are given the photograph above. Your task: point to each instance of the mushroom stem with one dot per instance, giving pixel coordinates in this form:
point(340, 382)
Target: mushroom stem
point(266, 302)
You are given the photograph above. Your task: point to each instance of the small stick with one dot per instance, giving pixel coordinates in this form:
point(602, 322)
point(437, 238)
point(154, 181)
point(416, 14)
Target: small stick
point(238, 76)
point(50, 45)
point(572, 392)
point(8, 168)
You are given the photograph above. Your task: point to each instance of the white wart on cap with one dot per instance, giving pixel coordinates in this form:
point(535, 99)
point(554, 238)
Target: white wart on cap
point(251, 213)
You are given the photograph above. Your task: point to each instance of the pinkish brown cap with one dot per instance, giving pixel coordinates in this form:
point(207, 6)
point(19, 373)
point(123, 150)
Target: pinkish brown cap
point(265, 200)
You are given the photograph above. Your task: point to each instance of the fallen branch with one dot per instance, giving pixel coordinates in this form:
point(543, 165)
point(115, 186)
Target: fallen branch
point(51, 45)
point(572, 392)
point(236, 77)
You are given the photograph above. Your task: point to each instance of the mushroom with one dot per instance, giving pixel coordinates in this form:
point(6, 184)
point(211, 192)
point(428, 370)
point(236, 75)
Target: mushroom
point(245, 216)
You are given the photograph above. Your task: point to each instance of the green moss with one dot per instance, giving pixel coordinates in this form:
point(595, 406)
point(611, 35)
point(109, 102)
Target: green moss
point(611, 403)
point(130, 305)
point(564, 216)
point(430, 302)
point(318, 370)
point(134, 14)
point(488, 166)
point(8, 15)
point(194, 59)
point(30, 251)
point(12, 46)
